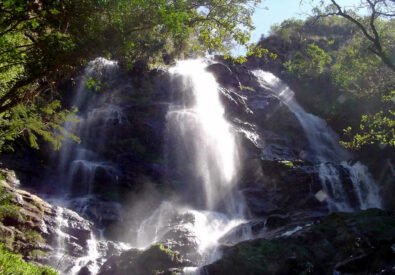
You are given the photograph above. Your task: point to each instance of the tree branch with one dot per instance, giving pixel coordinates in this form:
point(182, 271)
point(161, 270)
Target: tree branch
point(374, 38)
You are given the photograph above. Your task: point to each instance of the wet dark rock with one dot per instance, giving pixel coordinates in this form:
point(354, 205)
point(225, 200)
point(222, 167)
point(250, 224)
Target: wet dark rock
point(180, 239)
point(84, 271)
point(350, 243)
point(157, 259)
point(283, 187)
point(98, 210)
point(34, 229)
point(76, 227)
point(274, 221)
point(224, 74)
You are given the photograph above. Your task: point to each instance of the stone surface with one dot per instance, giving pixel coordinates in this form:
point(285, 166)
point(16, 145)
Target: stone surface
point(348, 243)
point(158, 259)
point(34, 229)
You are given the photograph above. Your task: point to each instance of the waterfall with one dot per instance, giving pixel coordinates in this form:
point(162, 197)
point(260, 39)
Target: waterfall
point(202, 151)
point(78, 163)
point(90, 260)
point(80, 166)
point(202, 156)
point(326, 151)
point(202, 133)
point(61, 236)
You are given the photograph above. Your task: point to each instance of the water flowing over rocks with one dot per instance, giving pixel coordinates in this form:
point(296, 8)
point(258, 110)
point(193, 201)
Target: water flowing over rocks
point(42, 232)
point(339, 243)
point(202, 161)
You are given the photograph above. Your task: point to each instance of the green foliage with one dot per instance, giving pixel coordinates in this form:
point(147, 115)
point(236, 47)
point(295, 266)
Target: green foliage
point(252, 50)
point(10, 211)
point(93, 84)
point(246, 88)
point(43, 43)
point(288, 163)
point(310, 63)
point(378, 128)
point(358, 71)
point(11, 263)
point(7, 208)
point(33, 237)
point(369, 23)
point(37, 253)
point(44, 120)
point(347, 84)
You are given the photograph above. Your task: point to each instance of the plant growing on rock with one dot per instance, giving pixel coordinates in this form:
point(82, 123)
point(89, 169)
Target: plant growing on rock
point(11, 263)
point(44, 43)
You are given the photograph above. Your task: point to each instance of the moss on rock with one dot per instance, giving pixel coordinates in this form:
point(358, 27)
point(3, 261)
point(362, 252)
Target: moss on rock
point(21, 235)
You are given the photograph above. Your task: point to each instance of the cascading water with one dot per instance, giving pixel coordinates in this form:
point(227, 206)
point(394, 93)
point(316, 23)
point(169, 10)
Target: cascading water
point(204, 136)
point(90, 260)
point(61, 237)
point(326, 151)
point(78, 164)
point(202, 150)
point(79, 167)
point(202, 158)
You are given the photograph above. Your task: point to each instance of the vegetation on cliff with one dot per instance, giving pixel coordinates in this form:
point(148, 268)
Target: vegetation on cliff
point(338, 77)
point(11, 263)
point(19, 238)
point(341, 65)
point(43, 43)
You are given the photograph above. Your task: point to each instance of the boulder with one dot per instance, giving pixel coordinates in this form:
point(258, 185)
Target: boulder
point(341, 242)
point(158, 259)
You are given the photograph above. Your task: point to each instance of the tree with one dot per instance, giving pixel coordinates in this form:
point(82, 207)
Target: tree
point(357, 71)
point(310, 63)
point(369, 25)
point(336, 76)
point(43, 43)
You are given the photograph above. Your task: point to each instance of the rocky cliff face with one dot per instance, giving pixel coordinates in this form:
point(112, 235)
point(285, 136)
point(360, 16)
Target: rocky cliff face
point(124, 151)
point(344, 243)
point(30, 225)
point(41, 232)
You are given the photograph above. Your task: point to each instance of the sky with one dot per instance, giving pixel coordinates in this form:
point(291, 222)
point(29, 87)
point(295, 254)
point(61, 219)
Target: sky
point(272, 12)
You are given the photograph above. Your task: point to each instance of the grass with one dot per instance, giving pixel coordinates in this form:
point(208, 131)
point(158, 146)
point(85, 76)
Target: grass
point(13, 264)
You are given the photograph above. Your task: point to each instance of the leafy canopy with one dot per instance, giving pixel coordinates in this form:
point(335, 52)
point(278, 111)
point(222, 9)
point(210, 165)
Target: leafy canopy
point(312, 62)
point(43, 43)
point(341, 78)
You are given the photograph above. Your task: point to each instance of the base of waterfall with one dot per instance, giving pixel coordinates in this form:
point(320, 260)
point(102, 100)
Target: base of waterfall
point(340, 242)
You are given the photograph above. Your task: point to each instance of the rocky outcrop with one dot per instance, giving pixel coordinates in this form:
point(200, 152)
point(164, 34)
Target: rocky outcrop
point(278, 175)
point(38, 230)
point(361, 243)
point(158, 259)
point(123, 148)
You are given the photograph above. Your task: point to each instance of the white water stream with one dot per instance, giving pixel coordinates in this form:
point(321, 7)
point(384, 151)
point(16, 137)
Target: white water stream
point(205, 135)
point(204, 148)
point(330, 156)
point(203, 152)
point(78, 165)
